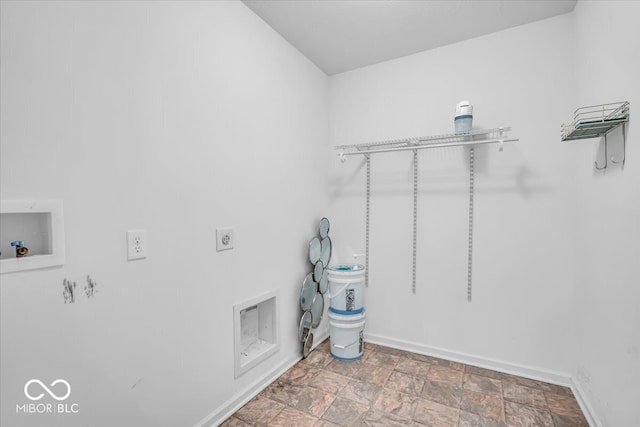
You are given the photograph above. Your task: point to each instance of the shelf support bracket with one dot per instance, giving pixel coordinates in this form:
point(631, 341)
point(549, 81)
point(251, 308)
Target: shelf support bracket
point(624, 147)
point(605, 156)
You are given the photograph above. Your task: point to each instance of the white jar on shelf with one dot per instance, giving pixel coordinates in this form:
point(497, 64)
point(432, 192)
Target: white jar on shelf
point(464, 117)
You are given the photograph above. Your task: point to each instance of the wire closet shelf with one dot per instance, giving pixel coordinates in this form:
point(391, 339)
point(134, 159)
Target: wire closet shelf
point(474, 137)
point(471, 139)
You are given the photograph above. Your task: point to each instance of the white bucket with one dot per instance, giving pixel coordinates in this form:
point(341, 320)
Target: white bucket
point(346, 288)
point(346, 335)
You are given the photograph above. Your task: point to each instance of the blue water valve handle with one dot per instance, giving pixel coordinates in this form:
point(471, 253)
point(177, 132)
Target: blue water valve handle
point(18, 243)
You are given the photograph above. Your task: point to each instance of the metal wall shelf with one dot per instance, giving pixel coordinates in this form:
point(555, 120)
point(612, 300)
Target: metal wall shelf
point(597, 121)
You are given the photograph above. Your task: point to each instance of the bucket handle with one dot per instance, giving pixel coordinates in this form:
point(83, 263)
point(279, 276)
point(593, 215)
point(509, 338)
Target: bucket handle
point(340, 291)
point(348, 345)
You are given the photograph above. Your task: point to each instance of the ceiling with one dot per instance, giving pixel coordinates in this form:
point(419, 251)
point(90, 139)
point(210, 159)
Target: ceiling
point(341, 35)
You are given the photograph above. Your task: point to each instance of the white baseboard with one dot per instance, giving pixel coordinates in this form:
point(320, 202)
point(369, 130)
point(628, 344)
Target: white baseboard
point(548, 376)
point(586, 407)
point(227, 409)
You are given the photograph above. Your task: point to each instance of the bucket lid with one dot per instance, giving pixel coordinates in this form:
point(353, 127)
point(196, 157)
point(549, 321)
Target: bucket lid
point(346, 267)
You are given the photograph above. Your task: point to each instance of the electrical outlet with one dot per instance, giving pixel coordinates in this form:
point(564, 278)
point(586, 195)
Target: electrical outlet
point(224, 239)
point(136, 244)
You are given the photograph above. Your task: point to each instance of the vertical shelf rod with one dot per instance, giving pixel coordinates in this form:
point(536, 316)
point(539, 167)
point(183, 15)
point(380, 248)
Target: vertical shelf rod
point(415, 217)
point(368, 202)
point(470, 254)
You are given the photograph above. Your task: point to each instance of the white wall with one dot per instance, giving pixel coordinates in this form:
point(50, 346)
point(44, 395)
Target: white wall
point(555, 290)
point(607, 293)
point(176, 117)
point(523, 258)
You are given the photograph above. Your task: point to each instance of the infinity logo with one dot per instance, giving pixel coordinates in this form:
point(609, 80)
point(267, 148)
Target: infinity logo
point(52, 394)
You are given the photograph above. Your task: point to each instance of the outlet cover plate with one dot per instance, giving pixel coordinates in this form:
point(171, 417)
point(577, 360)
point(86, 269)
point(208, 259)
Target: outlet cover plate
point(136, 244)
point(224, 239)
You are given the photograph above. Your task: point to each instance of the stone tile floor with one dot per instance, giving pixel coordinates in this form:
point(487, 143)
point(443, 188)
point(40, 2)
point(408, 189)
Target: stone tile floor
point(390, 387)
